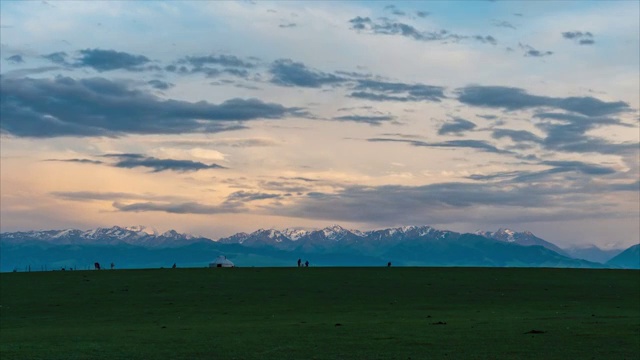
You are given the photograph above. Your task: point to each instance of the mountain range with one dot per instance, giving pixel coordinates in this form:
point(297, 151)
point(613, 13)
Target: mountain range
point(140, 247)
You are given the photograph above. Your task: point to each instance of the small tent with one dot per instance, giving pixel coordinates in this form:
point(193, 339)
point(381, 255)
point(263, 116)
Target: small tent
point(221, 261)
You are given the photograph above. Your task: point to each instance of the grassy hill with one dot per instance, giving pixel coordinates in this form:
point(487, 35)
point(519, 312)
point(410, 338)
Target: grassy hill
point(321, 313)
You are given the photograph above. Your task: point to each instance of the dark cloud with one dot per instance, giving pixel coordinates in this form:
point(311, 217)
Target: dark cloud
point(634, 186)
point(394, 91)
point(395, 203)
point(504, 24)
point(530, 51)
point(517, 135)
point(385, 26)
point(81, 161)
point(107, 60)
point(557, 167)
point(368, 119)
point(20, 73)
point(178, 208)
point(360, 23)
point(582, 167)
point(59, 57)
point(576, 35)
point(488, 39)
point(159, 84)
point(517, 99)
point(130, 161)
point(100, 107)
point(457, 126)
point(537, 53)
point(422, 14)
point(15, 59)
point(108, 196)
point(244, 196)
point(568, 133)
point(470, 144)
point(222, 60)
point(289, 25)
point(586, 42)
point(286, 72)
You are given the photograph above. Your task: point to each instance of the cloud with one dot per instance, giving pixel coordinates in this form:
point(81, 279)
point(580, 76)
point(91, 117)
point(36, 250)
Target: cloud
point(100, 107)
point(244, 196)
point(289, 25)
point(160, 85)
point(15, 59)
point(59, 57)
point(422, 14)
point(222, 60)
point(633, 186)
point(582, 167)
point(457, 126)
point(557, 167)
point(385, 26)
point(579, 37)
point(129, 161)
point(107, 60)
point(286, 72)
point(368, 119)
point(530, 51)
point(503, 24)
point(566, 132)
point(471, 144)
point(108, 196)
point(178, 208)
point(393, 91)
point(443, 202)
point(80, 161)
point(517, 99)
point(516, 135)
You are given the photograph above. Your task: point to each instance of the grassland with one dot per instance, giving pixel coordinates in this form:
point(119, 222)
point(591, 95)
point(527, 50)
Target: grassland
point(321, 313)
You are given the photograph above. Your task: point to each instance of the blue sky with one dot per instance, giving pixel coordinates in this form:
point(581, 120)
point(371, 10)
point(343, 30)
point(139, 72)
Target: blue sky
point(218, 117)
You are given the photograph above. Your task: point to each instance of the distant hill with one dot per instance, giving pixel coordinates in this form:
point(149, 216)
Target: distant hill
point(139, 247)
point(592, 253)
point(628, 259)
point(525, 238)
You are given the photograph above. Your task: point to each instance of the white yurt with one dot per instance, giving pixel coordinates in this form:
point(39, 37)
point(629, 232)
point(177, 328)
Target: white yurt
point(221, 261)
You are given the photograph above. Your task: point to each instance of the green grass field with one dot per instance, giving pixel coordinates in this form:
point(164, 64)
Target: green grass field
point(321, 313)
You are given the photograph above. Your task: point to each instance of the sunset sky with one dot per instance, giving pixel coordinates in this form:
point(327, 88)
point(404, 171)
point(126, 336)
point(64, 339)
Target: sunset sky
point(218, 117)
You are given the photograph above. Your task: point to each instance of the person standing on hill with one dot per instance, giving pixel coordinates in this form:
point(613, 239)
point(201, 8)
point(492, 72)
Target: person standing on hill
point(299, 262)
point(306, 263)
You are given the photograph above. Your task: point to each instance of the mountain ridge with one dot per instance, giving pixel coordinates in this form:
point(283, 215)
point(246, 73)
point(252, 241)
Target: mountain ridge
point(419, 245)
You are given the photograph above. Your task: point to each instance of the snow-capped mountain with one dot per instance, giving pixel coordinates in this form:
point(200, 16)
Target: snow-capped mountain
point(138, 246)
point(525, 238)
point(259, 238)
point(134, 235)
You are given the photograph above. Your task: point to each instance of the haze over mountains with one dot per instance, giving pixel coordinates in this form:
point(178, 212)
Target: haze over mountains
point(138, 247)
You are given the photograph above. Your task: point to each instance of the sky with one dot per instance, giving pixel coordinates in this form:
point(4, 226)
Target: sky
point(218, 117)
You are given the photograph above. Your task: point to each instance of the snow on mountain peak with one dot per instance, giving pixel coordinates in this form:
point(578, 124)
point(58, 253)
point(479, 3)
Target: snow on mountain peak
point(295, 234)
point(507, 234)
point(62, 233)
point(142, 230)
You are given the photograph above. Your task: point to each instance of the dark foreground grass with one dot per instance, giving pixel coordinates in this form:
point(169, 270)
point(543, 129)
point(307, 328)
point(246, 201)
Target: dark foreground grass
point(321, 313)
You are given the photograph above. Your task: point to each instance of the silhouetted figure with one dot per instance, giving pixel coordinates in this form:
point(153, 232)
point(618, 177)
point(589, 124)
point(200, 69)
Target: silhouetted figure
point(299, 262)
point(389, 264)
point(96, 266)
point(174, 266)
point(306, 263)
point(112, 266)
